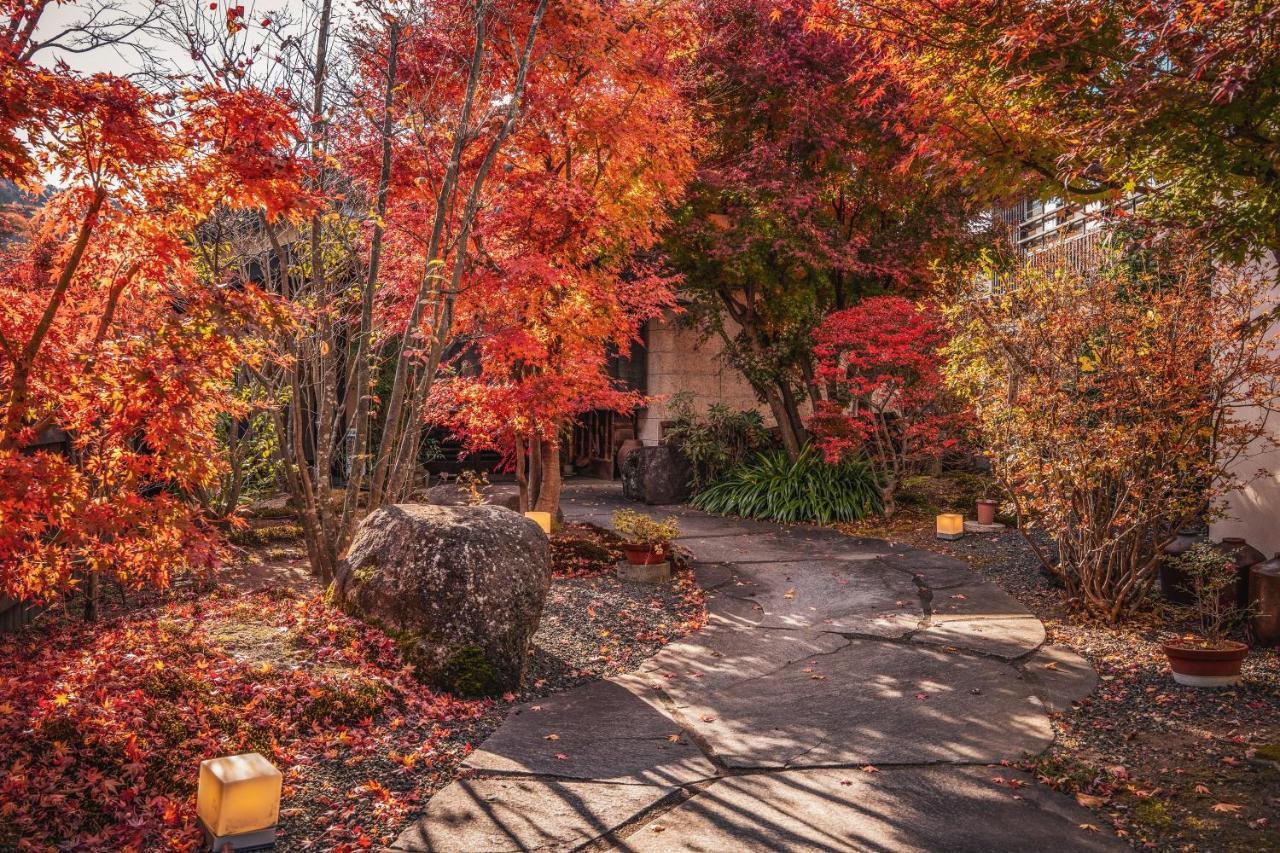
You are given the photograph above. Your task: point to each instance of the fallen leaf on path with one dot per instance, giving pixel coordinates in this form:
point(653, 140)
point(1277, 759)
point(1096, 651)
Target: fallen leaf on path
point(1229, 808)
point(870, 768)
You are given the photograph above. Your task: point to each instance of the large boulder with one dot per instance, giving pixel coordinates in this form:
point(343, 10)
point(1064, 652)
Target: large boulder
point(655, 475)
point(460, 589)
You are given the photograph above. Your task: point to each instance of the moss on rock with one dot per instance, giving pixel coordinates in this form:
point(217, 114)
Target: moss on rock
point(468, 673)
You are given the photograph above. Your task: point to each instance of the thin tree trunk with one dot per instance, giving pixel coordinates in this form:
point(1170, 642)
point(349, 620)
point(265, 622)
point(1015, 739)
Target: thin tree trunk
point(549, 492)
point(364, 355)
point(393, 425)
point(535, 469)
point(522, 473)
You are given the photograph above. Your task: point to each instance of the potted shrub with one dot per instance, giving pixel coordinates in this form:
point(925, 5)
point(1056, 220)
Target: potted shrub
point(646, 541)
point(1210, 659)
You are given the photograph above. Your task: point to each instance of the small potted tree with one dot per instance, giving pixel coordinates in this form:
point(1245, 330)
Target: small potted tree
point(646, 541)
point(1210, 659)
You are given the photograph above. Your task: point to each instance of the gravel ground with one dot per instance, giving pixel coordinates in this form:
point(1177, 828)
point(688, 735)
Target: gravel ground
point(1170, 768)
point(594, 625)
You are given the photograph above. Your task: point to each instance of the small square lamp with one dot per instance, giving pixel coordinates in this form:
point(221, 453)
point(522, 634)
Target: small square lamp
point(543, 519)
point(950, 525)
point(238, 802)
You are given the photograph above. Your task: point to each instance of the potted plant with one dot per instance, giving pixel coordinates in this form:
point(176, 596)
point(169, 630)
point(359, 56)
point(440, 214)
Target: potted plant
point(1210, 659)
point(646, 541)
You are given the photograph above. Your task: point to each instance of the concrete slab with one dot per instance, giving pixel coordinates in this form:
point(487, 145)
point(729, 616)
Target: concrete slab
point(938, 571)
point(1008, 637)
point(599, 731)
point(957, 809)
point(867, 702)
point(978, 600)
point(829, 595)
point(719, 657)
point(499, 815)
point(1059, 676)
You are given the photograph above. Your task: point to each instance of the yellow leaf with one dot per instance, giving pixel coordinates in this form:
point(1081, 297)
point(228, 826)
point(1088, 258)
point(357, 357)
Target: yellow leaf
point(61, 699)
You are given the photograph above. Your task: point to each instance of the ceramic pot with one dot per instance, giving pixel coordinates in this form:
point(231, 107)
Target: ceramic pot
point(1245, 556)
point(987, 511)
point(1264, 599)
point(640, 554)
point(1196, 667)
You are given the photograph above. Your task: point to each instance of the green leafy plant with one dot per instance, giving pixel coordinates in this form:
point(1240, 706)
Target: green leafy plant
point(774, 487)
point(715, 442)
point(639, 529)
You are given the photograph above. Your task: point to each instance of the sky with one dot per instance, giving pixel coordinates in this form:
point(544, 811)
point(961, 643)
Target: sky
point(125, 61)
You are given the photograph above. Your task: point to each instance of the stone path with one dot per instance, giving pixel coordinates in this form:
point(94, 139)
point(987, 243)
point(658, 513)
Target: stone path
point(824, 657)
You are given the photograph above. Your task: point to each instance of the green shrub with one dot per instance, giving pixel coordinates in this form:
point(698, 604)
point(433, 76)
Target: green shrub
point(771, 486)
point(716, 442)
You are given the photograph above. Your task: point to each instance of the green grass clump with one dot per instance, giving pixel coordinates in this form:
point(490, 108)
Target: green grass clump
point(773, 487)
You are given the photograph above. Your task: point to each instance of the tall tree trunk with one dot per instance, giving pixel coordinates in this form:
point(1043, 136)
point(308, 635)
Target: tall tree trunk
point(363, 363)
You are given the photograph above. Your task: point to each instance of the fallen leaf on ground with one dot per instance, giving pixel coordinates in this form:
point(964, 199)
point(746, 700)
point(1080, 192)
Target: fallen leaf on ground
point(1229, 808)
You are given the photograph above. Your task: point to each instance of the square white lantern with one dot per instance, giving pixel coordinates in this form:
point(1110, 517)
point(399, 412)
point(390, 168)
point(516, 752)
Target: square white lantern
point(238, 802)
point(950, 525)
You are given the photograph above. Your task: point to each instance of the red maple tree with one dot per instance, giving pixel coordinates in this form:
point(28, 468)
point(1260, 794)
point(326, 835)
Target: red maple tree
point(881, 359)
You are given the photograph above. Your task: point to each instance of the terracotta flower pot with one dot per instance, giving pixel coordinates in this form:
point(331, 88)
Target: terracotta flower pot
point(641, 554)
point(1198, 667)
point(987, 511)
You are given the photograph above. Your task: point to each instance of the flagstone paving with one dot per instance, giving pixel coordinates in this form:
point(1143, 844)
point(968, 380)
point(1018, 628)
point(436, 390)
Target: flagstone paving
point(846, 694)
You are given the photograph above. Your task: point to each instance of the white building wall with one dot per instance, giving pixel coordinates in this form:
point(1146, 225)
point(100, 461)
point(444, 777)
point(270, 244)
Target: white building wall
point(1254, 511)
point(679, 360)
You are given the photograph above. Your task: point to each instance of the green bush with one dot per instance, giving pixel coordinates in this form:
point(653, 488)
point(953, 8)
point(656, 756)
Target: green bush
point(716, 442)
point(771, 486)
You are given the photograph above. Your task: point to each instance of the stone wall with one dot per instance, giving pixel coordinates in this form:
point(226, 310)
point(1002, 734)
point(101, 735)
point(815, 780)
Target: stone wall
point(678, 360)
